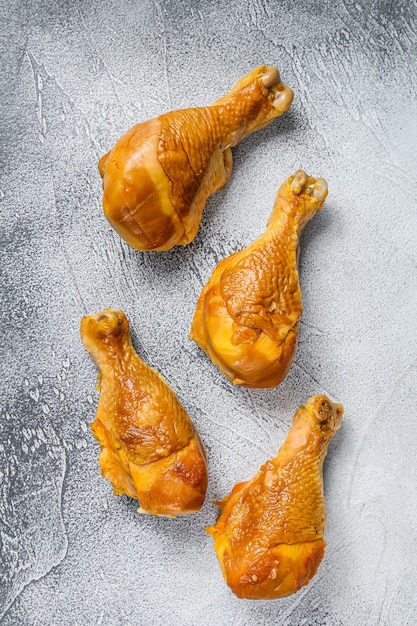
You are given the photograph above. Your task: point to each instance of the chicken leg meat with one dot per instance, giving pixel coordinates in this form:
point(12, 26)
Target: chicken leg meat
point(269, 535)
point(150, 449)
point(247, 316)
point(159, 175)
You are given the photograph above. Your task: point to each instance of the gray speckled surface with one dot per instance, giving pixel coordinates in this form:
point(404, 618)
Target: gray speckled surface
point(74, 77)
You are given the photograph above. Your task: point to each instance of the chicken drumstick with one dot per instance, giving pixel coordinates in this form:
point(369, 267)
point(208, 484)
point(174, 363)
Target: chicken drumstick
point(150, 449)
point(269, 535)
point(247, 316)
point(158, 176)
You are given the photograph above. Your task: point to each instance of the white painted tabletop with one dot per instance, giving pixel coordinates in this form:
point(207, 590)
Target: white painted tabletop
point(76, 75)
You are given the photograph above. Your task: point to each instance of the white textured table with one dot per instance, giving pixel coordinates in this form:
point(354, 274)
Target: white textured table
point(75, 76)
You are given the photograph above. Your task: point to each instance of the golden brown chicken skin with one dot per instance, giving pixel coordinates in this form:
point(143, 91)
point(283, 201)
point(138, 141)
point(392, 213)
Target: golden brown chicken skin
point(158, 176)
point(150, 449)
point(269, 537)
point(247, 316)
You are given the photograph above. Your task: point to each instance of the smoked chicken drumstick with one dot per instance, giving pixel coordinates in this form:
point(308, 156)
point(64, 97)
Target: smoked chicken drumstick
point(269, 535)
point(247, 316)
point(158, 176)
point(150, 449)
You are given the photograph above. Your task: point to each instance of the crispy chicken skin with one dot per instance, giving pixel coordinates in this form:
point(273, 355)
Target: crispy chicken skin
point(247, 316)
point(158, 176)
point(150, 449)
point(269, 535)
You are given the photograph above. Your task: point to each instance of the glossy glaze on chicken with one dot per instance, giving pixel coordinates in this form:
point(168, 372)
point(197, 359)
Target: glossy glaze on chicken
point(150, 449)
point(247, 317)
point(269, 537)
point(158, 176)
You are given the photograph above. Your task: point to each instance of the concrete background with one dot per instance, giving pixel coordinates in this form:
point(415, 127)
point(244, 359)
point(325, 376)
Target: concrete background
point(75, 76)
